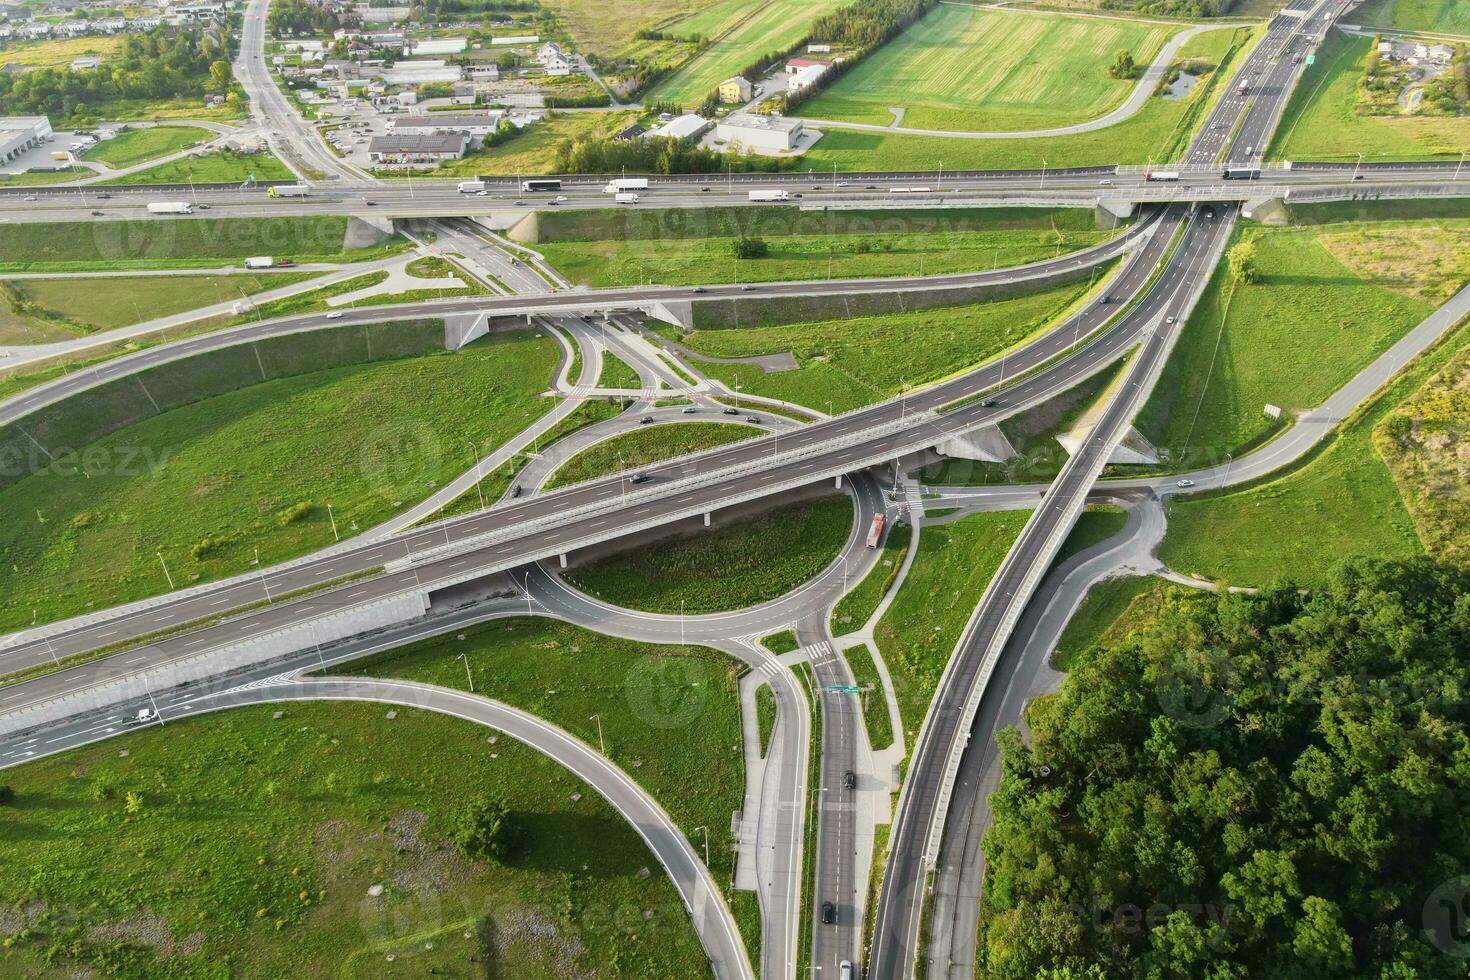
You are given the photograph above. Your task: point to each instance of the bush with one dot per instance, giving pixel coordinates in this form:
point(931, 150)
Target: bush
point(7, 795)
point(487, 829)
point(210, 546)
point(750, 248)
point(294, 513)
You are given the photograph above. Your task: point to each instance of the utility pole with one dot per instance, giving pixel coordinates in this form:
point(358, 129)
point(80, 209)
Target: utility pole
point(165, 570)
point(466, 658)
point(601, 746)
point(333, 519)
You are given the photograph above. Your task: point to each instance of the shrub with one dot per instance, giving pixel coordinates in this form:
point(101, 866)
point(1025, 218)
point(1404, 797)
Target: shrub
point(750, 248)
point(294, 513)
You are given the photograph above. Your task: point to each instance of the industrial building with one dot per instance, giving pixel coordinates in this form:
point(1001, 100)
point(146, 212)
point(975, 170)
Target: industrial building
point(427, 148)
point(759, 132)
point(477, 124)
point(21, 133)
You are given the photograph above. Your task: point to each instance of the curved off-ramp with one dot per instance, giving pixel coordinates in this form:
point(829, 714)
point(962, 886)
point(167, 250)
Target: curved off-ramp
point(1136, 100)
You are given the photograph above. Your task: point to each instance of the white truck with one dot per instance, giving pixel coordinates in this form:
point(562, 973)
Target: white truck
point(289, 190)
point(769, 196)
point(626, 198)
point(471, 186)
point(260, 262)
point(621, 184)
point(170, 207)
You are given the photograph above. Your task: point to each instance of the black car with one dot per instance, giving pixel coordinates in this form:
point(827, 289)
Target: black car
point(700, 289)
point(639, 478)
point(96, 214)
point(732, 411)
point(103, 196)
point(849, 780)
point(829, 913)
point(989, 403)
point(1106, 299)
point(646, 420)
point(515, 490)
point(753, 419)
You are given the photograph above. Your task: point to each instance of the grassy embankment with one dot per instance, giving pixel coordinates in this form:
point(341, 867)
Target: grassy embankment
point(1322, 121)
point(1448, 16)
point(247, 843)
point(134, 146)
point(626, 248)
point(617, 373)
point(751, 561)
point(208, 482)
point(875, 705)
point(646, 445)
point(966, 69)
point(535, 150)
point(848, 363)
point(918, 633)
point(1328, 300)
point(855, 608)
point(216, 167)
point(1158, 131)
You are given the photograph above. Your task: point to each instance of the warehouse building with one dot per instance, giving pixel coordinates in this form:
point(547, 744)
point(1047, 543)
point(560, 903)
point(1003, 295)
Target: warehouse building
point(429, 148)
point(21, 133)
point(759, 132)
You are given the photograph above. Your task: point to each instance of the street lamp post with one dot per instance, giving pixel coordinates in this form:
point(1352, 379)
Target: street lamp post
point(706, 844)
point(601, 746)
point(1459, 165)
point(166, 575)
point(475, 458)
point(333, 519)
point(1357, 166)
point(467, 675)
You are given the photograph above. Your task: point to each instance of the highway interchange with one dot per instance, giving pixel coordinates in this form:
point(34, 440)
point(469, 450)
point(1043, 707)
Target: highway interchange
point(1166, 259)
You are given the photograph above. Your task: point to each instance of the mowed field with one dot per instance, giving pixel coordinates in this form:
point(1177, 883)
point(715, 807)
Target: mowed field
point(969, 69)
point(739, 37)
point(1322, 121)
point(1448, 16)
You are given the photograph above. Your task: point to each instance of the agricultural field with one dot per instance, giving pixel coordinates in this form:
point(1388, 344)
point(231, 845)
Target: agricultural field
point(749, 561)
point(670, 715)
point(1158, 131)
point(1445, 16)
point(210, 482)
point(848, 363)
point(1343, 502)
point(246, 842)
point(628, 248)
point(28, 307)
point(82, 246)
point(1328, 300)
point(738, 39)
point(1322, 122)
point(1100, 614)
point(134, 146)
point(964, 68)
point(603, 28)
point(219, 167)
point(645, 445)
point(59, 53)
point(950, 572)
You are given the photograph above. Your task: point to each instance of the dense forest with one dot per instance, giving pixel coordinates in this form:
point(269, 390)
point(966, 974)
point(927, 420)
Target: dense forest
point(147, 67)
point(868, 23)
point(1247, 786)
point(1172, 8)
point(300, 18)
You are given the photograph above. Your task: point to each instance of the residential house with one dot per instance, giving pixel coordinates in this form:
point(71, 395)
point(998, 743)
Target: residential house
point(736, 89)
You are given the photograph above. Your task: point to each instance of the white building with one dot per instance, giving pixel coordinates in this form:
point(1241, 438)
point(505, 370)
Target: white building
point(21, 133)
point(759, 132)
point(684, 127)
point(805, 78)
point(478, 124)
point(432, 148)
point(419, 72)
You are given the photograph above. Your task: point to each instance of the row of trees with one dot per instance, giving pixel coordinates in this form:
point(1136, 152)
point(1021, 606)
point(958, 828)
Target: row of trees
point(1270, 785)
point(1172, 8)
point(149, 66)
point(861, 27)
point(658, 155)
point(297, 18)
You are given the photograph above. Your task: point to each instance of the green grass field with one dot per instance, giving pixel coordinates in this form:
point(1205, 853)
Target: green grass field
point(100, 304)
point(965, 68)
point(1158, 131)
point(751, 561)
point(1321, 121)
point(212, 481)
point(212, 168)
point(1447, 16)
point(535, 150)
point(1095, 525)
point(81, 246)
point(137, 145)
point(853, 362)
point(755, 30)
point(680, 250)
point(875, 705)
point(919, 631)
point(782, 642)
point(1292, 338)
point(854, 608)
point(616, 373)
point(59, 53)
point(1342, 503)
point(670, 715)
point(646, 445)
point(254, 841)
point(1101, 608)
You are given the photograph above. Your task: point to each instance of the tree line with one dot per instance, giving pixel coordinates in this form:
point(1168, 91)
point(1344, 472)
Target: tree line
point(149, 66)
point(1244, 786)
point(657, 155)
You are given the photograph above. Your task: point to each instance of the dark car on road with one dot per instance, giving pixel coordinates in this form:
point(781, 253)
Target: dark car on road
point(849, 780)
point(829, 913)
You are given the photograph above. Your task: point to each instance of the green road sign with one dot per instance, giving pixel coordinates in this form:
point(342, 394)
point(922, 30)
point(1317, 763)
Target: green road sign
point(1311, 58)
point(844, 689)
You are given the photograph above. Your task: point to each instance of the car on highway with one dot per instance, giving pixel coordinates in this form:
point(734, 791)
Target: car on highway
point(96, 214)
point(1168, 319)
point(849, 780)
point(990, 403)
point(732, 411)
point(746, 288)
point(829, 913)
point(335, 315)
point(638, 478)
point(844, 970)
point(700, 289)
point(1185, 484)
point(690, 410)
point(646, 420)
point(753, 419)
